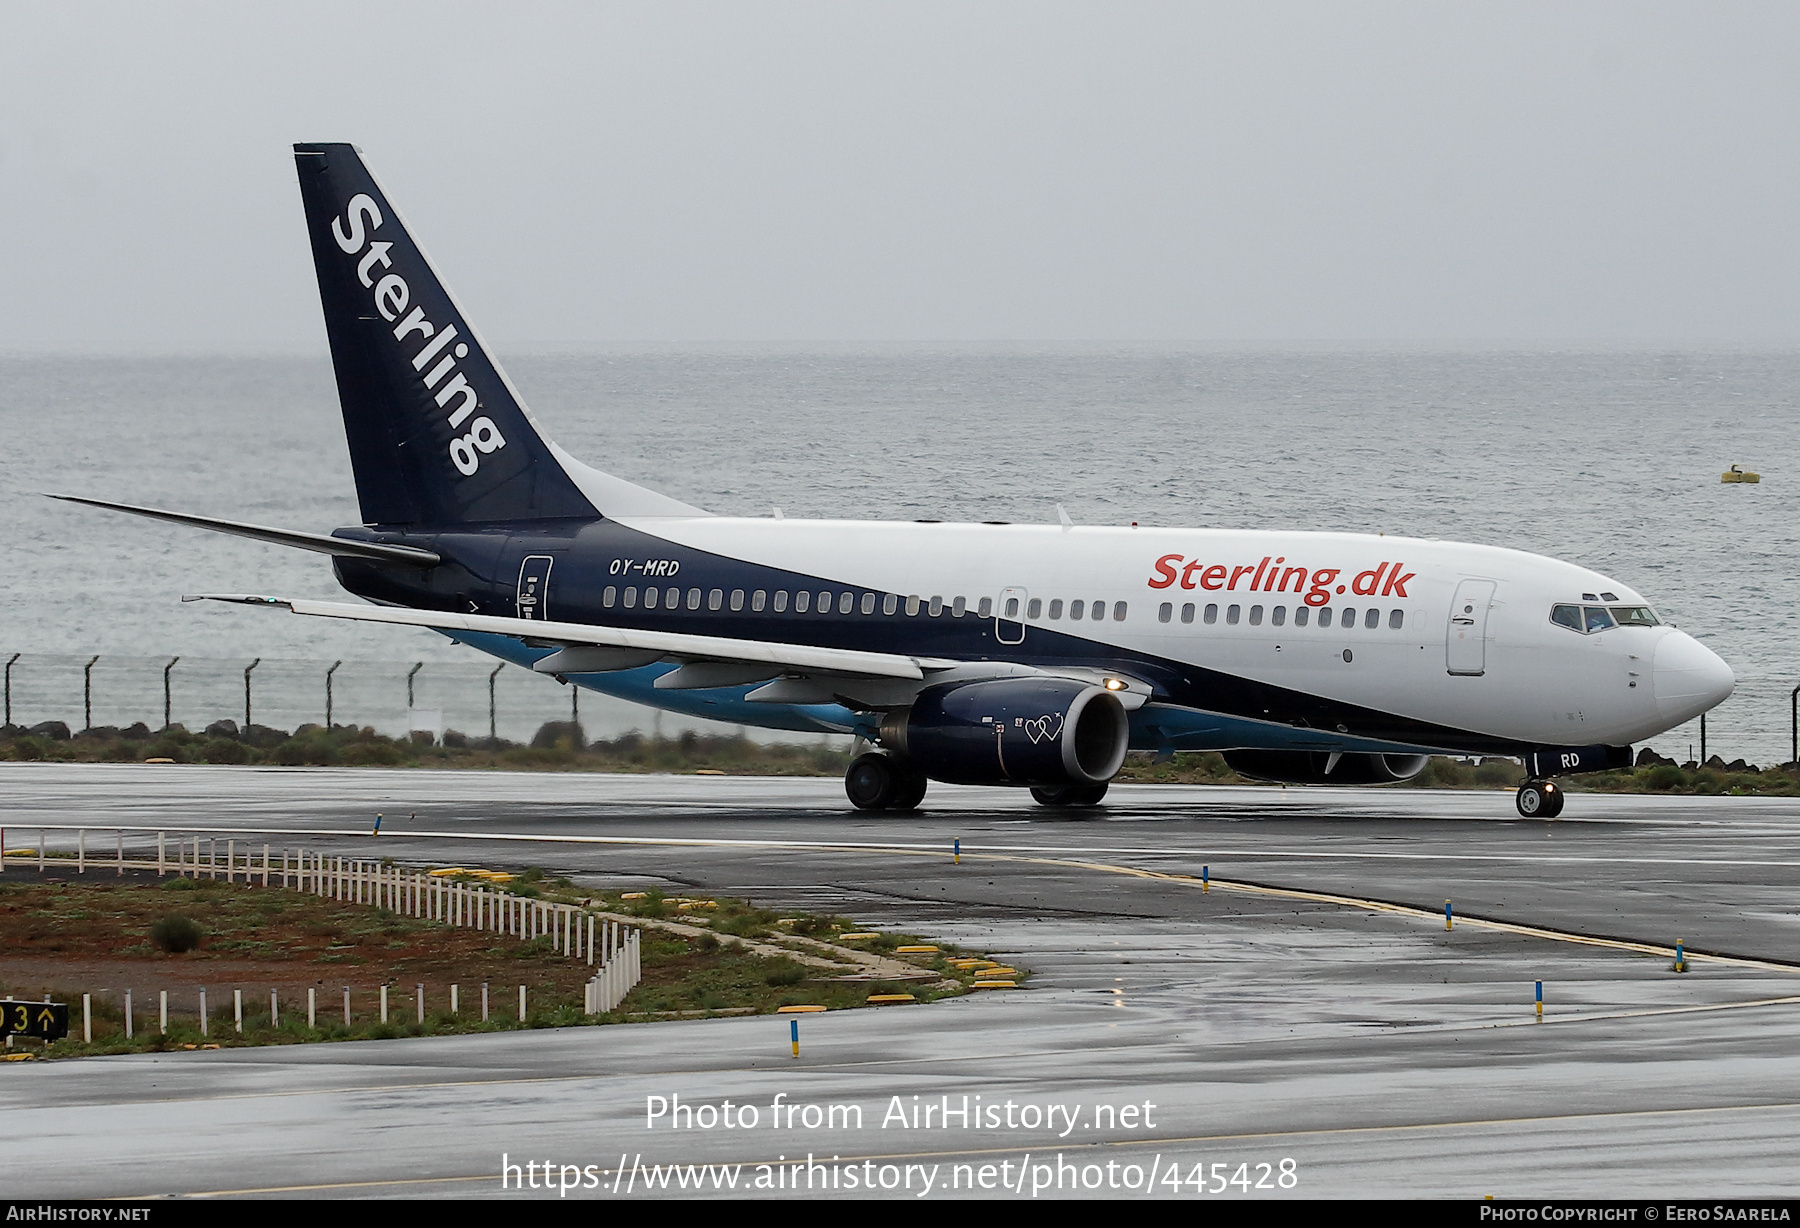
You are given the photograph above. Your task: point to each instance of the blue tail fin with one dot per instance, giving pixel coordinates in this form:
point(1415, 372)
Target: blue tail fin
point(438, 436)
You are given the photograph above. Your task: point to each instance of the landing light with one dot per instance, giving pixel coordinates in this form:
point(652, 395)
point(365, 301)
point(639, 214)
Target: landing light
point(1116, 684)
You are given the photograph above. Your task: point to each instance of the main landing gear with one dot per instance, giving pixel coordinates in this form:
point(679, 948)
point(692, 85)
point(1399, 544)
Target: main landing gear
point(1539, 799)
point(1070, 795)
point(884, 782)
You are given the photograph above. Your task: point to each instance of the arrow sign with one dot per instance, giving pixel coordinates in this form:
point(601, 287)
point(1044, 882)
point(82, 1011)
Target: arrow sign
point(47, 1020)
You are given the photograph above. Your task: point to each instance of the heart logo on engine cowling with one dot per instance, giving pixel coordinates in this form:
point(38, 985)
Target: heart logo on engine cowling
point(1044, 728)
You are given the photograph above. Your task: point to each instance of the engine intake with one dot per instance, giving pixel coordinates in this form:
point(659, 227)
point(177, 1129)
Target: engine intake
point(1307, 767)
point(1012, 731)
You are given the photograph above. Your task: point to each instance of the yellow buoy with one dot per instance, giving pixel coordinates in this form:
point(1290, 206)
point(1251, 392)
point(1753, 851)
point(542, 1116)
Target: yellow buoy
point(1735, 474)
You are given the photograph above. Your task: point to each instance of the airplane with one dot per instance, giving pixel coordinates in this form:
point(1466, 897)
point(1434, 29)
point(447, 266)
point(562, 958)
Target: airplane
point(1026, 655)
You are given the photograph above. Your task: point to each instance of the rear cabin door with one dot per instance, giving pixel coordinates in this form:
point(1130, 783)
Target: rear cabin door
point(1466, 635)
point(534, 587)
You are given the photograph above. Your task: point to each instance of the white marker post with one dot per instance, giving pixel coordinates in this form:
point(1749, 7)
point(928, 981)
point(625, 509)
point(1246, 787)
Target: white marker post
point(87, 1018)
point(521, 1004)
point(346, 1006)
point(203, 1019)
point(237, 1008)
point(274, 1005)
point(162, 850)
point(164, 1012)
point(127, 1014)
point(484, 987)
point(384, 1004)
point(312, 1008)
point(421, 990)
point(453, 1000)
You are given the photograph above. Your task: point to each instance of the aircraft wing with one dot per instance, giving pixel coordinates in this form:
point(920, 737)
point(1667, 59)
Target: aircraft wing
point(755, 655)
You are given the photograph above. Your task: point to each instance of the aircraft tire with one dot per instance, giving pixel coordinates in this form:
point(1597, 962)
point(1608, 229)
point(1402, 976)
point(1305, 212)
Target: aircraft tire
point(1538, 799)
point(909, 789)
point(1068, 795)
point(871, 782)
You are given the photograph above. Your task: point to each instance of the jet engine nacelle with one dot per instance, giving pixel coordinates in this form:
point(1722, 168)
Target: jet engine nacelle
point(1305, 767)
point(1012, 731)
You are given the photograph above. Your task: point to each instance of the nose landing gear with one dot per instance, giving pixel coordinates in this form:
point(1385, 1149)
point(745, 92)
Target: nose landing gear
point(1539, 799)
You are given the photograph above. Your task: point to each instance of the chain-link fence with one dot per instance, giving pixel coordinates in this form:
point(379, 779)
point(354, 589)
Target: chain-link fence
point(395, 697)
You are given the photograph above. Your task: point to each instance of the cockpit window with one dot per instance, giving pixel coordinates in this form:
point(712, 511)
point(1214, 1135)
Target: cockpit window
point(1589, 619)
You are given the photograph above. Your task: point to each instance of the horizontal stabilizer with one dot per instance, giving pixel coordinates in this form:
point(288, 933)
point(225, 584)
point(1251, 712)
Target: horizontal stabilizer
point(323, 543)
point(798, 658)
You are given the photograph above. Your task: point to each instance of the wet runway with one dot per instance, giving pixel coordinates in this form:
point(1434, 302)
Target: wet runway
point(1291, 1012)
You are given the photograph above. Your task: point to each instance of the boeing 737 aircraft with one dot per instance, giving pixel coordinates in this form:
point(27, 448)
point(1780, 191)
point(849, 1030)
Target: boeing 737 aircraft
point(992, 654)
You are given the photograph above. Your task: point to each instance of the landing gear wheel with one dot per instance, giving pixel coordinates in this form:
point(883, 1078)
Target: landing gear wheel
point(871, 782)
point(1069, 795)
point(909, 789)
point(1539, 799)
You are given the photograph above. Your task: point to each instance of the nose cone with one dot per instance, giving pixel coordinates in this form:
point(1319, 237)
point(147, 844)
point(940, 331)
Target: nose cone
point(1689, 678)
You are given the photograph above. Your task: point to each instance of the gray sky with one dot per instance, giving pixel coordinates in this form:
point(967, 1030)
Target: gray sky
point(594, 173)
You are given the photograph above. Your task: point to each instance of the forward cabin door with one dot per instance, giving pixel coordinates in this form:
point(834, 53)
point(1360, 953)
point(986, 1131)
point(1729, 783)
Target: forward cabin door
point(1009, 616)
point(1466, 636)
point(534, 587)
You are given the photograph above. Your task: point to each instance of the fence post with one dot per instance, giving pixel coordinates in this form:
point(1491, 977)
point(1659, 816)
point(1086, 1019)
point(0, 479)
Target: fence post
point(492, 735)
point(168, 702)
point(328, 674)
point(87, 693)
point(247, 670)
point(15, 657)
point(417, 666)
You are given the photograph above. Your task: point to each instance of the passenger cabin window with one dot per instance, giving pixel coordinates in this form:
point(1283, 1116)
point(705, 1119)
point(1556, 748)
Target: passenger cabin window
point(1056, 608)
point(1278, 616)
point(986, 608)
point(1347, 619)
point(802, 601)
point(1077, 609)
point(1034, 608)
point(1119, 611)
point(1397, 619)
point(716, 599)
point(1187, 612)
point(1099, 610)
point(868, 603)
point(936, 607)
point(693, 599)
point(1302, 615)
point(631, 598)
point(1212, 615)
point(846, 602)
point(651, 597)
point(824, 603)
point(912, 606)
point(959, 607)
point(1325, 616)
point(672, 598)
point(609, 596)
point(737, 599)
point(758, 600)
point(1256, 616)
point(1372, 620)
point(889, 603)
point(781, 601)
point(1165, 612)
point(1231, 615)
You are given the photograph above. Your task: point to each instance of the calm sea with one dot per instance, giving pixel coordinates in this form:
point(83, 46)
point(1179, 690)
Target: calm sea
point(1609, 459)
